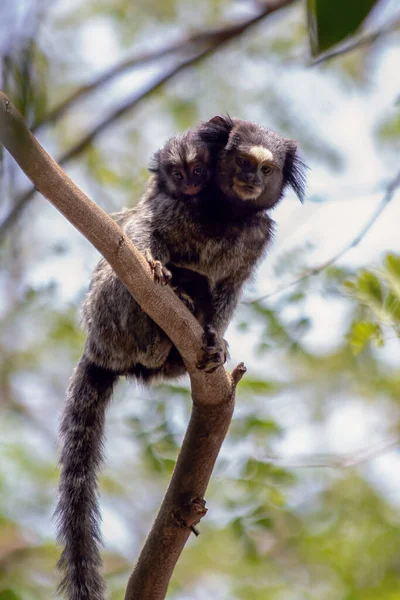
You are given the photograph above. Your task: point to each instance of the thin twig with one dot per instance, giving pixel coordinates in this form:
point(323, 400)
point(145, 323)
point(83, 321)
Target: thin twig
point(389, 193)
point(365, 40)
point(336, 461)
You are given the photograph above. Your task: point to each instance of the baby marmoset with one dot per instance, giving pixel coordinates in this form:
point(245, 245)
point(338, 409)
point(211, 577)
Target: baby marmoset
point(206, 229)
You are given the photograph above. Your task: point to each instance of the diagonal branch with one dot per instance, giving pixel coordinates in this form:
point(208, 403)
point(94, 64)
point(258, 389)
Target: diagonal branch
point(213, 394)
point(212, 38)
point(215, 42)
point(336, 461)
point(366, 40)
point(388, 196)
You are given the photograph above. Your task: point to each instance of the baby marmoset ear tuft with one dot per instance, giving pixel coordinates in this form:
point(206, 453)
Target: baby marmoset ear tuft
point(294, 170)
point(154, 163)
point(216, 131)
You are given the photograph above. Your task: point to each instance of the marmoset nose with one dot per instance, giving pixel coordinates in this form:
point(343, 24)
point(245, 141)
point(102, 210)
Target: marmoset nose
point(247, 177)
point(191, 189)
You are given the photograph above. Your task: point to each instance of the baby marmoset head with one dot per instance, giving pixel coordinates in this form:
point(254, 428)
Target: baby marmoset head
point(182, 166)
point(253, 165)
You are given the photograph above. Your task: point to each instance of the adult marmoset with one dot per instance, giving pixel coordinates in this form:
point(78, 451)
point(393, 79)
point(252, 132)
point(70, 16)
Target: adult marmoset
point(252, 168)
point(203, 224)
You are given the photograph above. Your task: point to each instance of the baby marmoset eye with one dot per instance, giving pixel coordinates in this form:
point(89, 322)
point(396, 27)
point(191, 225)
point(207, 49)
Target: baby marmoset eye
point(177, 175)
point(198, 171)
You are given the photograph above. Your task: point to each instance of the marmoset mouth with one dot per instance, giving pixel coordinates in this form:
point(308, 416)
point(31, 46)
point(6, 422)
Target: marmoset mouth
point(246, 191)
point(191, 190)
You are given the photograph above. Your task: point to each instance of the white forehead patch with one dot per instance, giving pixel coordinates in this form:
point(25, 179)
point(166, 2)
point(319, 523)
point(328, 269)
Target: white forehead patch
point(174, 156)
point(191, 154)
point(261, 154)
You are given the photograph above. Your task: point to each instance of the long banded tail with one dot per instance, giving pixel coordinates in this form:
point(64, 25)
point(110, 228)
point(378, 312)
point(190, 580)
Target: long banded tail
point(77, 512)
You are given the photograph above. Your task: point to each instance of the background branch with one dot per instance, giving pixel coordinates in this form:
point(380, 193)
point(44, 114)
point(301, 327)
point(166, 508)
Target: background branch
point(389, 193)
point(212, 39)
point(213, 394)
point(336, 461)
point(365, 40)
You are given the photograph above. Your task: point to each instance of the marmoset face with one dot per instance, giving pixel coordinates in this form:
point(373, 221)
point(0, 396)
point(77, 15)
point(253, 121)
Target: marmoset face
point(254, 165)
point(248, 172)
point(183, 165)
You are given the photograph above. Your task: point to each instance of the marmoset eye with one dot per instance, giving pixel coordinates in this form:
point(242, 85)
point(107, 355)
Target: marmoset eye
point(243, 162)
point(177, 175)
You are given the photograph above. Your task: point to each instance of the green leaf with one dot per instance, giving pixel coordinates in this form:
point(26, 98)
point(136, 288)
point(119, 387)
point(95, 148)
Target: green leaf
point(243, 326)
point(176, 390)
point(392, 272)
point(363, 332)
point(388, 130)
point(370, 286)
point(237, 527)
point(330, 22)
point(392, 308)
point(264, 523)
point(369, 290)
point(296, 297)
point(258, 386)
point(9, 595)
point(276, 497)
point(265, 426)
point(267, 473)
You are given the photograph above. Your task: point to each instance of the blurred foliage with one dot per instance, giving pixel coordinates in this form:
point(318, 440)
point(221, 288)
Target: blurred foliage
point(379, 293)
point(389, 129)
point(323, 356)
point(332, 22)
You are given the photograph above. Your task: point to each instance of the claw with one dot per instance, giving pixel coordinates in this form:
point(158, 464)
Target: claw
point(161, 274)
point(213, 352)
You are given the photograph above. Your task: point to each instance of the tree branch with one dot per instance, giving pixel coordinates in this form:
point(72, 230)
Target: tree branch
point(365, 40)
point(336, 461)
point(213, 394)
point(389, 193)
point(216, 39)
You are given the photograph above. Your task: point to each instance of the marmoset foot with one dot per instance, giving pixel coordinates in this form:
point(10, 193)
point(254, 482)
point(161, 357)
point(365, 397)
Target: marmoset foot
point(161, 274)
point(213, 352)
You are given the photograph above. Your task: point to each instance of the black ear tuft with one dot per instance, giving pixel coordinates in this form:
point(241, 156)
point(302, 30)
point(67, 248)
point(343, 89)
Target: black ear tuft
point(215, 132)
point(224, 122)
point(154, 163)
point(294, 171)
